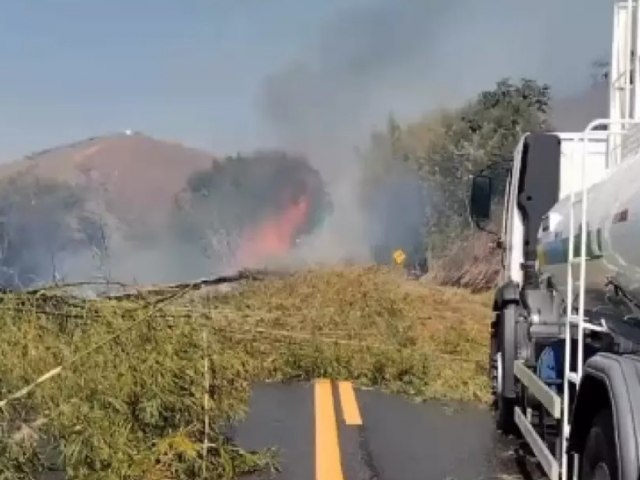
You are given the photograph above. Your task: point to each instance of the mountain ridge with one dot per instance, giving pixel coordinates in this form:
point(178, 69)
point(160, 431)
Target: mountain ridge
point(136, 176)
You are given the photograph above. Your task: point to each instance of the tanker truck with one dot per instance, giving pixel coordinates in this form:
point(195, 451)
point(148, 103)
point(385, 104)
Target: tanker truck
point(565, 334)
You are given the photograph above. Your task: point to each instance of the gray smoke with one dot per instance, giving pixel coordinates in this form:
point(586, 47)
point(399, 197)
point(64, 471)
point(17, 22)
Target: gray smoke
point(409, 57)
point(413, 57)
point(574, 112)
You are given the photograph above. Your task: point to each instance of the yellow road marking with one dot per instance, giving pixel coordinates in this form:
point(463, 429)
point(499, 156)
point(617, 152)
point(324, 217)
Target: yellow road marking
point(328, 462)
point(350, 410)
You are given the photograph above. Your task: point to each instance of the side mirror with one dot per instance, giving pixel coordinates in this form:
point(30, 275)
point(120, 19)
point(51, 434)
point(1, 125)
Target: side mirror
point(480, 202)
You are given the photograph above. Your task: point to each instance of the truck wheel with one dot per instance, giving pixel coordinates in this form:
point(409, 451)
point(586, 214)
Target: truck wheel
point(599, 459)
point(502, 376)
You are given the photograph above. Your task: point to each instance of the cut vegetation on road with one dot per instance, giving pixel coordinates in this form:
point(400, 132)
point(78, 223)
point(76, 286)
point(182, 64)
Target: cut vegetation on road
point(129, 401)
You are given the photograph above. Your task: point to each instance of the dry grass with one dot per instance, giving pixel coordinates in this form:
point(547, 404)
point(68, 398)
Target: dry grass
point(473, 263)
point(132, 406)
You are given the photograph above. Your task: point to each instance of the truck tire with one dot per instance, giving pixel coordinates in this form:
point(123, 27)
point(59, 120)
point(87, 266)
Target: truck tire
point(501, 365)
point(599, 459)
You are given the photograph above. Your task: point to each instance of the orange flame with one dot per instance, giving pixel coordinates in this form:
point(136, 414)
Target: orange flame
point(274, 236)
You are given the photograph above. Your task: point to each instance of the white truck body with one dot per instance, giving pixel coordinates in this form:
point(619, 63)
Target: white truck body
point(613, 222)
point(565, 338)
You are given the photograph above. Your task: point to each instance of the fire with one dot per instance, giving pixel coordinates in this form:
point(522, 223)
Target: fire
point(274, 236)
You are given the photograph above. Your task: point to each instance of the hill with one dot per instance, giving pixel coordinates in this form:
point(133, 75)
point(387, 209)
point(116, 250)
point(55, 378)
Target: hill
point(133, 208)
point(136, 177)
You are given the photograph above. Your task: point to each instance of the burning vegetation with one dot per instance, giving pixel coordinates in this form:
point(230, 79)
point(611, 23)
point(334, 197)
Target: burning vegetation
point(249, 209)
point(233, 214)
point(138, 210)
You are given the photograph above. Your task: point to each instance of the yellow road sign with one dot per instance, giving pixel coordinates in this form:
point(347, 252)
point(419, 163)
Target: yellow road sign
point(399, 256)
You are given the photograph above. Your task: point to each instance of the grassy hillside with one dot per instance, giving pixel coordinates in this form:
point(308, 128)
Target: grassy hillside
point(128, 402)
point(135, 177)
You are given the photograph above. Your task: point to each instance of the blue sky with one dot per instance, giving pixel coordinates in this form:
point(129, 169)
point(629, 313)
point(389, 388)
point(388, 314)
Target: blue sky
point(185, 70)
point(194, 70)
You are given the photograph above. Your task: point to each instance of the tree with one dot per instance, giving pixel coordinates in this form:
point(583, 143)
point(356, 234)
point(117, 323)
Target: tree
point(486, 130)
point(600, 71)
point(447, 147)
point(220, 204)
point(40, 221)
point(392, 197)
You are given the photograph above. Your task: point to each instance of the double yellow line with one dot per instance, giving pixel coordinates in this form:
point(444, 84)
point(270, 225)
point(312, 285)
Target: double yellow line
point(328, 461)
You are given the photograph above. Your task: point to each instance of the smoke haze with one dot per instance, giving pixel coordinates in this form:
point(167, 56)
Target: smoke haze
point(373, 58)
point(411, 57)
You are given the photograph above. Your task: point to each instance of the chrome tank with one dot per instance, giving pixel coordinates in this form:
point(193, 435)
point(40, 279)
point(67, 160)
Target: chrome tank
point(613, 236)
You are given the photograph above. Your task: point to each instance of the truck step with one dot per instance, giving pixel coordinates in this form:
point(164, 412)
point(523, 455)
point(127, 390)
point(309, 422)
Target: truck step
point(546, 458)
point(545, 395)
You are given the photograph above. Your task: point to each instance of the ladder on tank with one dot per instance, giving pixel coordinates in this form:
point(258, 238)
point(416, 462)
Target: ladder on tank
point(624, 106)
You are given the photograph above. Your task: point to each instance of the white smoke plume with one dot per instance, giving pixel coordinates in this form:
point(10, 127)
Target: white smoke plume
point(411, 57)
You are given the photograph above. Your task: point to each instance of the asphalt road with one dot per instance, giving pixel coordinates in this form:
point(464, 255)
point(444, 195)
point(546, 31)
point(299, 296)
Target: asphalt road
point(326, 431)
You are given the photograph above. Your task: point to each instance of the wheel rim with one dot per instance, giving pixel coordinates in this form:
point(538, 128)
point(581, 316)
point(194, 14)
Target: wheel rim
point(601, 472)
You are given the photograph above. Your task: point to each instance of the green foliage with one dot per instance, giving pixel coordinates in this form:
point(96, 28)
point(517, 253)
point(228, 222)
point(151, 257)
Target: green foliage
point(447, 147)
